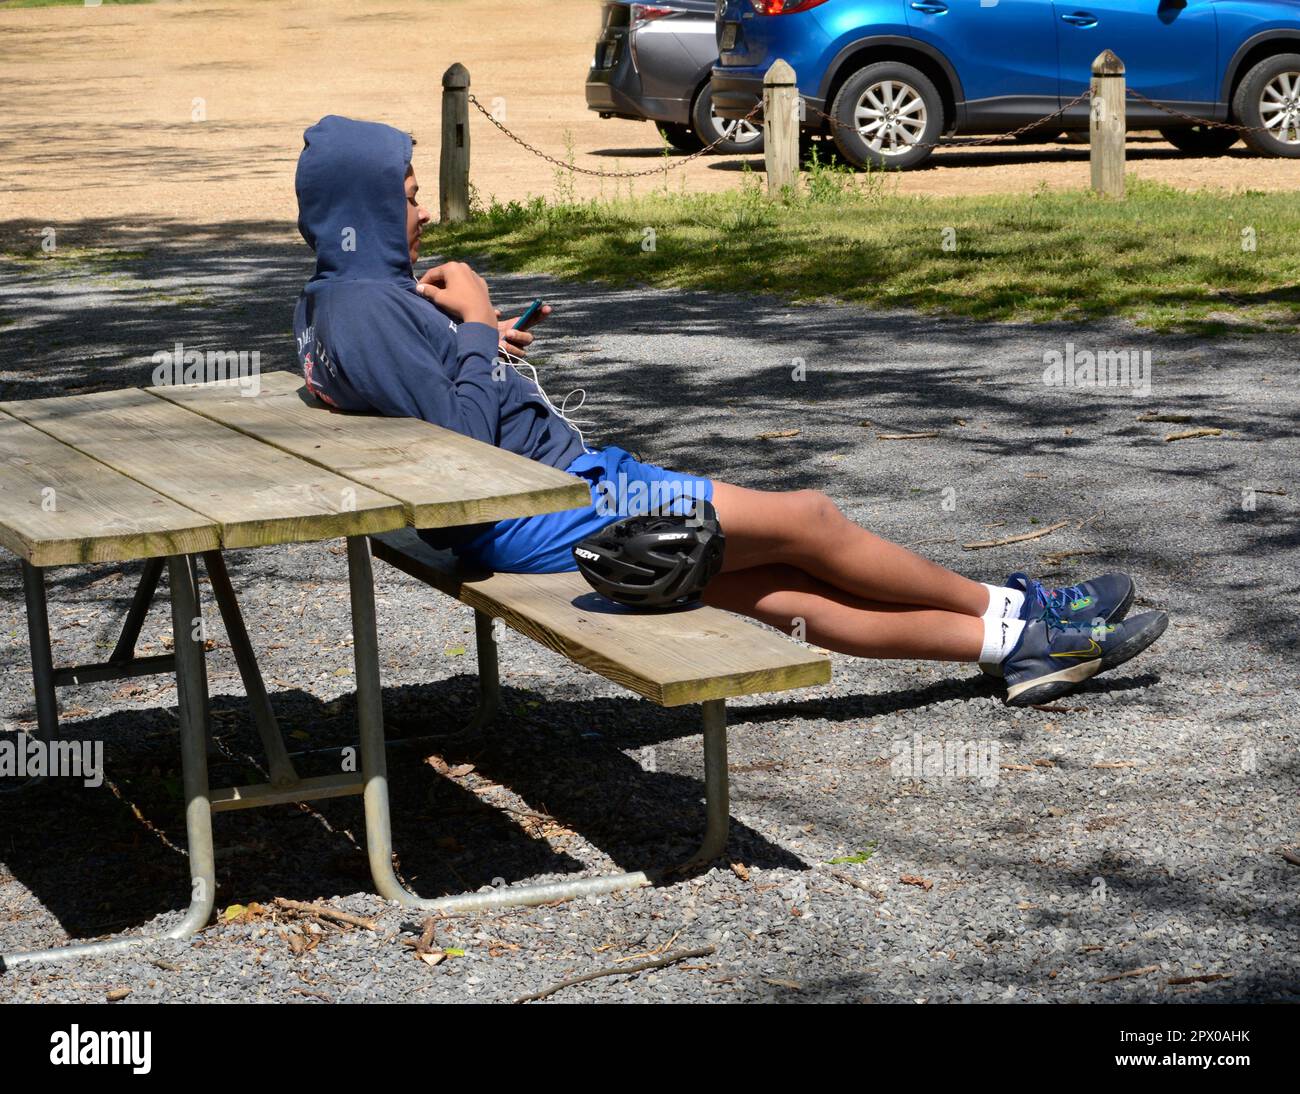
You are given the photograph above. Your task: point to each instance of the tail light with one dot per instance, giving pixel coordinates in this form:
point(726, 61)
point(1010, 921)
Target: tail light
point(644, 13)
point(783, 7)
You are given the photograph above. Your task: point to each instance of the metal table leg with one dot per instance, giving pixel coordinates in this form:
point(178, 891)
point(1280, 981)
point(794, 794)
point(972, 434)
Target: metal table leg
point(281, 767)
point(489, 674)
point(192, 701)
point(135, 616)
point(370, 724)
point(38, 637)
point(717, 791)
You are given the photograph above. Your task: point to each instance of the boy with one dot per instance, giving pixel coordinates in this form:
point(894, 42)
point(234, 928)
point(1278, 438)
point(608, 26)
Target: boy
point(372, 338)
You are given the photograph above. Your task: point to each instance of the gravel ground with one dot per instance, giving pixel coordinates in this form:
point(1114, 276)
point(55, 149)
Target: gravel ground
point(1136, 828)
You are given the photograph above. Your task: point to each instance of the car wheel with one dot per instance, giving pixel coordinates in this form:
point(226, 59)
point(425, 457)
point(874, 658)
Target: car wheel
point(1200, 140)
point(738, 136)
point(1269, 97)
point(681, 137)
point(887, 115)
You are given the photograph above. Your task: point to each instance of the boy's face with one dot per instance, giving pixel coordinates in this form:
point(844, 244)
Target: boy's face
point(417, 216)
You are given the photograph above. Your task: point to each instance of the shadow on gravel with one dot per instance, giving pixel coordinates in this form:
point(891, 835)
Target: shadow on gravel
point(107, 859)
point(856, 708)
point(90, 317)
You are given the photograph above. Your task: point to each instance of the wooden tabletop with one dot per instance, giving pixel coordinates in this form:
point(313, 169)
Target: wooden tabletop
point(140, 473)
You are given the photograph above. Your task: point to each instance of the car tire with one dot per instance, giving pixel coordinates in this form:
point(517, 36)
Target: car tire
point(681, 137)
point(739, 137)
point(1200, 140)
point(1269, 97)
point(918, 116)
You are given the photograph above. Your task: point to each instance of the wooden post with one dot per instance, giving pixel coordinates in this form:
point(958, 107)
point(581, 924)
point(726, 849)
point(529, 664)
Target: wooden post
point(1109, 125)
point(453, 171)
point(780, 128)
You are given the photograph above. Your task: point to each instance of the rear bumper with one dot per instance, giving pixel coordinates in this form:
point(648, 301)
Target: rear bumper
point(623, 99)
point(735, 94)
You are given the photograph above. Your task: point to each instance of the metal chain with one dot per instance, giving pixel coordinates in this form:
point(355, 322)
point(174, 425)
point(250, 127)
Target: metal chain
point(972, 142)
point(606, 174)
point(1205, 122)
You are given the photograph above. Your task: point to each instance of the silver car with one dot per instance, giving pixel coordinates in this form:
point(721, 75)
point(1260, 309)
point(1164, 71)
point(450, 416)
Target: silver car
point(653, 61)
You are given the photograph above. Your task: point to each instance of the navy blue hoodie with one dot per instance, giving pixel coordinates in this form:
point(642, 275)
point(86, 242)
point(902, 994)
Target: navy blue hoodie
point(367, 341)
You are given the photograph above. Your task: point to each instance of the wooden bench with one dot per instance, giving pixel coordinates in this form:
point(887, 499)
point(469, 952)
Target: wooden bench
point(701, 655)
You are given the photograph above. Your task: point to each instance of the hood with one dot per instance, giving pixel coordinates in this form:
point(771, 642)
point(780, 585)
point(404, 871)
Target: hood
point(352, 200)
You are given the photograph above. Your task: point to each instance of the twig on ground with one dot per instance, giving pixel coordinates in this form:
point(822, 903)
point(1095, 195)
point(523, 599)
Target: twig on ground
point(616, 970)
point(1152, 416)
point(1146, 970)
point(313, 994)
point(1055, 558)
point(1291, 857)
point(1204, 978)
point(906, 436)
point(1016, 539)
point(327, 913)
point(425, 944)
point(857, 883)
point(1188, 434)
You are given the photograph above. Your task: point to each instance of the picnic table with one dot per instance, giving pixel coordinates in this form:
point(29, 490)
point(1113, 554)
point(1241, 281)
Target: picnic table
point(175, 475)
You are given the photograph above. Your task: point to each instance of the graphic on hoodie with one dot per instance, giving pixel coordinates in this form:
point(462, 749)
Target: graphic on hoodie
point(366, 340)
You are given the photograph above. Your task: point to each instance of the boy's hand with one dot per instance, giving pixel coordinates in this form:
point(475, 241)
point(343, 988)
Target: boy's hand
point(457, 289)
point(518, 341)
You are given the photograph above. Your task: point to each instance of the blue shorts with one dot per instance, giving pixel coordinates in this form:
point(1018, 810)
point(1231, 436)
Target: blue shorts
point(620, 487)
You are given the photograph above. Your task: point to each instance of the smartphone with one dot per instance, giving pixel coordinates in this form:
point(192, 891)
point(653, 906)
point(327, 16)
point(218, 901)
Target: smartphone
point(533, 313)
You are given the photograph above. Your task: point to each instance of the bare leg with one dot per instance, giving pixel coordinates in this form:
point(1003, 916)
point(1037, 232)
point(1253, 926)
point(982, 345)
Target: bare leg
point(784, 596)
point(805, 529)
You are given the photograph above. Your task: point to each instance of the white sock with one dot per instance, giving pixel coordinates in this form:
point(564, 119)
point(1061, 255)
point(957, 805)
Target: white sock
point(1004, 603)
point(1000, 638)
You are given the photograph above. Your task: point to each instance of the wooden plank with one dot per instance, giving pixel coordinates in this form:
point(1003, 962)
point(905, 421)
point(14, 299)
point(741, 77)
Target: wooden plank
point(443, 477)
point(255, 493)
point(58, 506)
point(258, 794)
point(671, 658)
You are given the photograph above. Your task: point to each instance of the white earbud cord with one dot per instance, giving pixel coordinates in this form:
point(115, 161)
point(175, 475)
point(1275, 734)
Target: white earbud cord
point(519, 364)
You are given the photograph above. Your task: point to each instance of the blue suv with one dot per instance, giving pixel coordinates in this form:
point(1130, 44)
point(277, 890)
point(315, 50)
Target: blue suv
point(895, 75)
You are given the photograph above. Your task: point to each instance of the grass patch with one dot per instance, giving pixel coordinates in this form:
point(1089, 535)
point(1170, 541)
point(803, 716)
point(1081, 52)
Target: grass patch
point(61, 3)
point(87, 260)
point(1165, 258)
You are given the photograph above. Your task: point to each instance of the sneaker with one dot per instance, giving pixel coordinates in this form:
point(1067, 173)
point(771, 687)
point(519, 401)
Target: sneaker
point(1052, 657)
point(1107, 597)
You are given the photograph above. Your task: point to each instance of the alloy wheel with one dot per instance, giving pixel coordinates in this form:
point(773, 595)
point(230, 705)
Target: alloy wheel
point(1279, 107)
point(890, 116)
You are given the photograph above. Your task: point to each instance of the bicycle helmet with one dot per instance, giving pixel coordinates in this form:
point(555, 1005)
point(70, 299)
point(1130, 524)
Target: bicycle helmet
point(653, 561)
